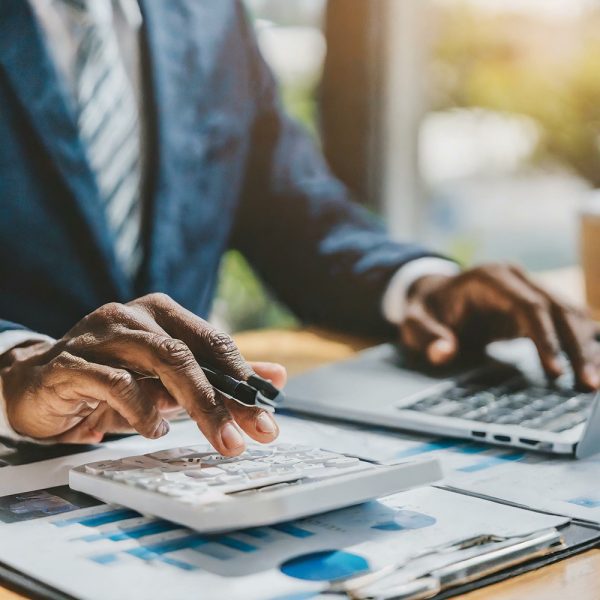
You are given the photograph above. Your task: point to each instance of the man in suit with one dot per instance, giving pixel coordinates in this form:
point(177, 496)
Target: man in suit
point(139, 141)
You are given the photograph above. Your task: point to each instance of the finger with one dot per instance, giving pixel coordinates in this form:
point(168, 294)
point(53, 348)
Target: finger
point(577, 339)
point(256, 422)
point(533, 317)
point(273, 372)
point(577, 335)
point(82, 433)
point(88, 383)
point(424, 334)
point(175, 365)
point(153, 388)
point(538, 325)
point(93, 428)
point(207, 343)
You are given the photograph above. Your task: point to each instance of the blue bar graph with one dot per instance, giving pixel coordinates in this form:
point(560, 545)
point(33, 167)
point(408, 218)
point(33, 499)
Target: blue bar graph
point(99, 519)
point(492, 461)
point(152, 551)
point(234, 543)
point(132, 533)
point(180, 564)
point(292, 530)
point(260, 533)
point(441, 444)
point(472, 448)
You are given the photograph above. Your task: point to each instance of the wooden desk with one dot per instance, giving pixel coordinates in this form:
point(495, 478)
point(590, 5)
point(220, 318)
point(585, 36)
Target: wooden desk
point(577, 577)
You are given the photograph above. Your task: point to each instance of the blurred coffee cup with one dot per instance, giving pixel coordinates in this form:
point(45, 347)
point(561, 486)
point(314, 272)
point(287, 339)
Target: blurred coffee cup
point(590, 251)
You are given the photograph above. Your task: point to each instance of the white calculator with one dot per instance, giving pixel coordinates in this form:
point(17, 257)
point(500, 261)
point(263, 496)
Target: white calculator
point(197, 487)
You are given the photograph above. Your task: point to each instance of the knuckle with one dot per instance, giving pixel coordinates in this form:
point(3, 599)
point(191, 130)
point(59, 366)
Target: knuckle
point(221, 344)
point(537, 305)
point(158, 299)
point(516, 269)
point(211, 410)
point(64, 360)
point(108, 313)
point(488, 269)
point(175, 353)
point(121, 382)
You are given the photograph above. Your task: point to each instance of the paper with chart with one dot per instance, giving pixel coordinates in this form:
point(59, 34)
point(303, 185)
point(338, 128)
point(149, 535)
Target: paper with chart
point(94, 551)
point(560, 485)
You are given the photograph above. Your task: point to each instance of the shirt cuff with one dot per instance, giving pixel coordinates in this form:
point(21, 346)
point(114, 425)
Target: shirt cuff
point(393, 305)
point(8, 340)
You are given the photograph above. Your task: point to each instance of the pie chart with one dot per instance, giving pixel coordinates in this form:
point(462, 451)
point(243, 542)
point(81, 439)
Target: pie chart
point(326, 565)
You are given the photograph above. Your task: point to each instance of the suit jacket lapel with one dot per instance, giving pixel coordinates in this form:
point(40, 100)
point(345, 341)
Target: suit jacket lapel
point(34, 80)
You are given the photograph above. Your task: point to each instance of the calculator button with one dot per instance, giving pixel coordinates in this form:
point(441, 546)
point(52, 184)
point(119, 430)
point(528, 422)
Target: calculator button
point(293, 448)
point(205, 473)
point(171, 454)
point(250, 466)
point(97, 468)
point(172, 489)
point(141, 462)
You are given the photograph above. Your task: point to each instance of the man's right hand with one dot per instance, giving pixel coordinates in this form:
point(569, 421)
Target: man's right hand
point(52, 389)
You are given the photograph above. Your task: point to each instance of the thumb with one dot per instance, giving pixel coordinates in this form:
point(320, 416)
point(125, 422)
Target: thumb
point(424, 334)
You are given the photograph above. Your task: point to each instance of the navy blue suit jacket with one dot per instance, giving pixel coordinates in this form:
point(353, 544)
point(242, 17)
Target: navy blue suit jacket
point(227, 168)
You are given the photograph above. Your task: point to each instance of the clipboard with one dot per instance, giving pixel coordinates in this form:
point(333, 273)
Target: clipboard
point(579, 537)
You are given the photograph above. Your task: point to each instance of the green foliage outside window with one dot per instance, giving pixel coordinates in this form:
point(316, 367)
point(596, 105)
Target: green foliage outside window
point(541, 67)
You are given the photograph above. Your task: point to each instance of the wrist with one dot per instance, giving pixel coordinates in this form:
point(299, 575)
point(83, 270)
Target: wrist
point(426, 284)
point(23, 351)
point(12, 377)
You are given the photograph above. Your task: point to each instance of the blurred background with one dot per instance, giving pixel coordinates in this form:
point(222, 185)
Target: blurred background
point(470, 125)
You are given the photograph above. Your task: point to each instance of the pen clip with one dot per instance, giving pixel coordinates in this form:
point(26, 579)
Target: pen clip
point(248, 395)
point(366, 579)
point(269, 393)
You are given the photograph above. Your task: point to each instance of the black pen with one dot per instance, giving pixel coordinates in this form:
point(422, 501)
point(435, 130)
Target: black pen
point(256, 391)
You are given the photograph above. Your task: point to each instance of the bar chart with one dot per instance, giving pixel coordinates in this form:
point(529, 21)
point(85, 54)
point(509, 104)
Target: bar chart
point(109, 536)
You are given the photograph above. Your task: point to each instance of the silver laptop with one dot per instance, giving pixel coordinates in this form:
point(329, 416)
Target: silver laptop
point(503, 400)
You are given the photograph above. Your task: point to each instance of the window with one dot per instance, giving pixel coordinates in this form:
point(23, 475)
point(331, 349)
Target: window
point(509, 143)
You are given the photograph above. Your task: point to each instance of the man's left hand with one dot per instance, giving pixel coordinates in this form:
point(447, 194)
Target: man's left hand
point(447, 315)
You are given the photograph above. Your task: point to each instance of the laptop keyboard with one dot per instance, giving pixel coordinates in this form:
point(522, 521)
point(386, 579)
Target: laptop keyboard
point(512, 403)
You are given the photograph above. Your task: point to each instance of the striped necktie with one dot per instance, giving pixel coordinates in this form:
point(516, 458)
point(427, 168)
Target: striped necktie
point(108, 119)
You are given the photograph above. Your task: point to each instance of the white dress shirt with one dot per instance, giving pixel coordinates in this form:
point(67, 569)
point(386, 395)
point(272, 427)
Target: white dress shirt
point(61, 32)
